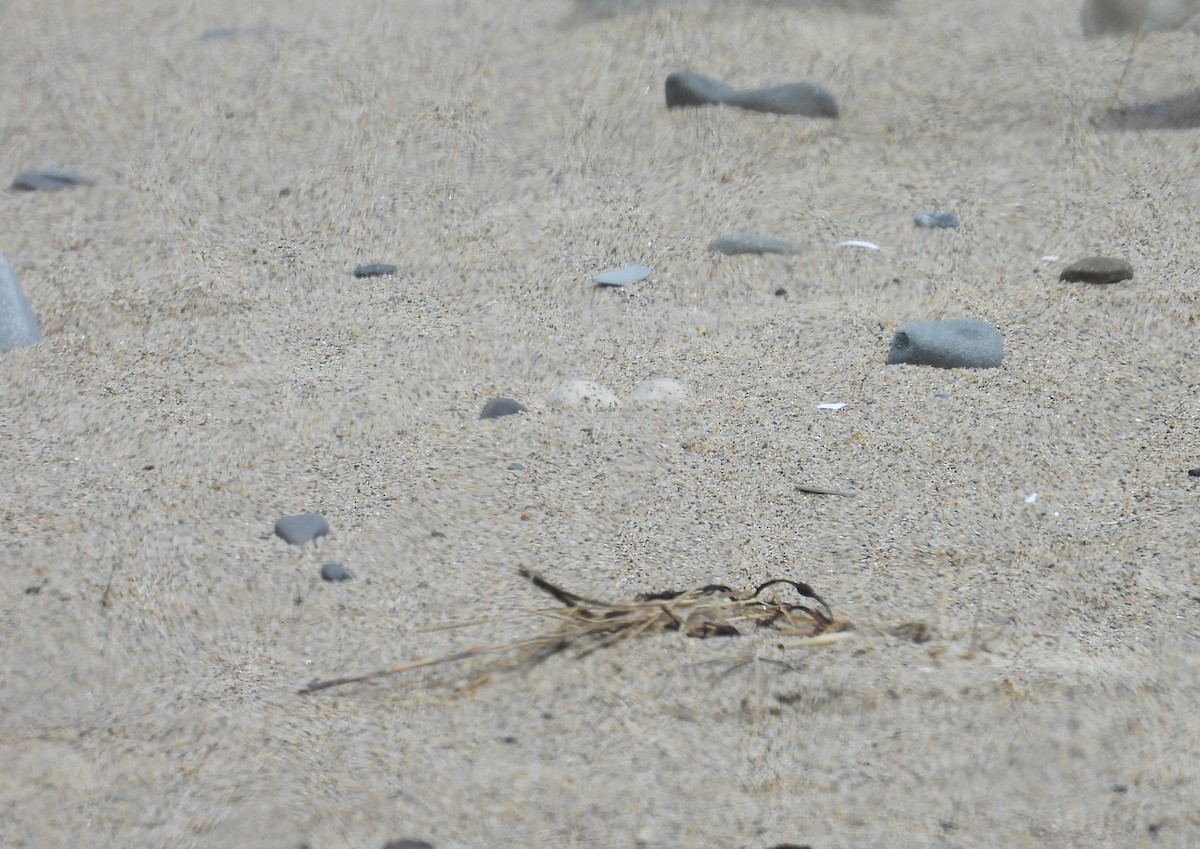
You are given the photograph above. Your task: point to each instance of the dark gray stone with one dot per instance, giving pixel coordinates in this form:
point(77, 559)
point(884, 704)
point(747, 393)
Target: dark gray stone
point(375, 269)
point(806, 99)
point(407, 843)
point(687, 88)
point(750, 243)
point(335, 572)
point(497, 407)
point(302, 528)
point(18, 325)
point(48, 180)
point(1097, 269)
point(937, 220)
point(950, 343)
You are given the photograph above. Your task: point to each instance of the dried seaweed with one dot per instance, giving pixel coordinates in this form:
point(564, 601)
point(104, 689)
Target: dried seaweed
point(588, 624)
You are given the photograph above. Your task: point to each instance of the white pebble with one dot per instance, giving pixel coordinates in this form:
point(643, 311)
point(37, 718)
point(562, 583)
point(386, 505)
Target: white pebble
point(579, 394)
point(659, 392)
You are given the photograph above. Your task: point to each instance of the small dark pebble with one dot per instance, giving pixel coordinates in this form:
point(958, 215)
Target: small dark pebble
point(1194, 472)
point(1120, 788)
point(302, 528)
point(376, 269)
point(48, 180)
point(780, 292)
point(335, 572)
point(515, 467)
point(806, 99)
point(1097, 269)
point(687, 88)
point(936, 220)
point(497, 407)
point(407, 844)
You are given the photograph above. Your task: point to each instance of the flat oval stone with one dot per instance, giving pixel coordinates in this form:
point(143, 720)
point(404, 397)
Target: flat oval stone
point(579, 394)
point(949, 343)
point(659, 392)
point(335, 572)
point(498, 407)
point(1097, 269)
point(18, 325)
point(622, 276)
point(301, 528)
point(687, 88)
point(806, 99)
point(48, 180)
point(750, 243)
point(375, 269)
point(939, 220)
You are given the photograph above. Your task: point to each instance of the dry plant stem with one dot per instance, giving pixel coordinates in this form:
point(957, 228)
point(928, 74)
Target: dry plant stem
point(710, 611)
point(465, 654)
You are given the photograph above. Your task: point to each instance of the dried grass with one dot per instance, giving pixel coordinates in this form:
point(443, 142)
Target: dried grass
point(589, 624)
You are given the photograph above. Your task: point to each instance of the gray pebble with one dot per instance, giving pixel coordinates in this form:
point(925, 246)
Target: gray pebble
point(622, 276)
point(937, 220)
point(497, 407)
point(687, 88)
point(950, 343)
point(376, 269)
point(335, 572)
point(18, 325)
point(302, 528)
point(215, 33)
point(749, 243)
point(48, 180)
point(806, 99)
point(1097, 269)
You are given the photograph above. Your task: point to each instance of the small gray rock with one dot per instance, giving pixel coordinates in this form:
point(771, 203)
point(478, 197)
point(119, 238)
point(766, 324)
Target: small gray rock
point(48, 180)
point(18, 325)
point(687, 88)
point(335, 572)
point(216, 33)
point(806, 99)
point(623, 276)
point(937, 220)
point(750, 243)
point(302, 528)
point(375, 269)
point(497, 407)
point(950, 343)
point(1097, 269)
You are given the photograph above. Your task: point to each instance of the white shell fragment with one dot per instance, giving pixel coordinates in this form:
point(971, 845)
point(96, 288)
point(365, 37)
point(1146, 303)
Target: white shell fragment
point(622, 276)
point(858, 243)
point(831, 405)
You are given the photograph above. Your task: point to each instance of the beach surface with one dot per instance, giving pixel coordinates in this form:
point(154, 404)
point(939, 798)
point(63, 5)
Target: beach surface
point(211, 364)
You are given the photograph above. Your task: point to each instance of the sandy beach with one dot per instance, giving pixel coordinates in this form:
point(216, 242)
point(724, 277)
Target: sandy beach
point(211, 364)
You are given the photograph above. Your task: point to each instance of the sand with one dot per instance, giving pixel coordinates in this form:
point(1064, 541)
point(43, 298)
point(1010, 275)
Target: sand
point(210, 364)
